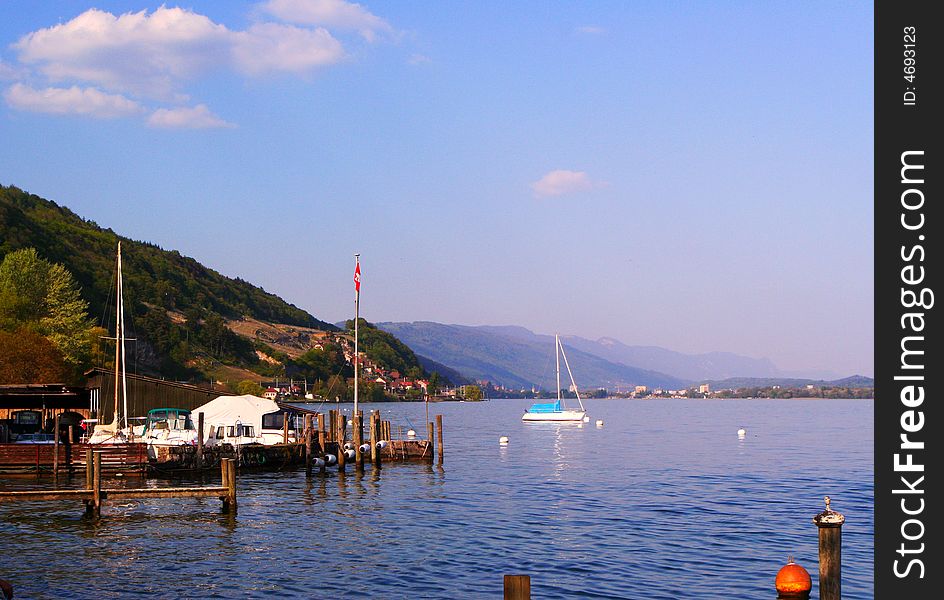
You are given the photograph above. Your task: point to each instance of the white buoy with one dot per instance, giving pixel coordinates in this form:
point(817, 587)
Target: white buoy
point(318, 462)
point(382, 444)
point(350, 454)
point(503, 440)
point(599, 422)
point(411, 433)
point(331, 459)
point(742, 432)
point(365, 448)
point(586, 418)
point(348, 445)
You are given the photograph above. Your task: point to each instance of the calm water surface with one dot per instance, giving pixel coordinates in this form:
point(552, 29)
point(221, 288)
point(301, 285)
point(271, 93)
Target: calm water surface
point(663, 501)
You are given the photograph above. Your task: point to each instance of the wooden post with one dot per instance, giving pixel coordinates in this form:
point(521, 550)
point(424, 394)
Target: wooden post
point(69, 451)
point(200, 440)
point(55, 456)
point(517, 587)
point(308, 445)
point(439, 439)
point(332, 425)
point(342, 426)
point(231, 486)
point(321, 442)
point(830, 523)
point(97, 485)
point(89, 468)
point(374, 451)
point(358, 440)
point(285, 427)
point(430, 436)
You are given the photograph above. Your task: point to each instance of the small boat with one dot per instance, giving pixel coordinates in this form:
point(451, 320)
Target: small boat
point(556, 411)
point(168, 427)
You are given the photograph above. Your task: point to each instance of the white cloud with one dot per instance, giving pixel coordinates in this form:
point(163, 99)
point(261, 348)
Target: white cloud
point(590, 30)
point(197, 117)
point(153, 55)
point(74, 100)
point(7, 72)
point(559, 182)
point(419, 59)
point(271, 47)
point(329, 13)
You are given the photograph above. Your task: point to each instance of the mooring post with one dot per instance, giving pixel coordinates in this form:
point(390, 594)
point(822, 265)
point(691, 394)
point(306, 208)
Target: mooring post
point(55, 456)
point(439, 439)
point(308, 445)
point(517, 587)
point(231, 481)
point(97, 485)
point(374, 450)
point(342, 427)
point(829, 523)
point(200, 440)
point(430, 435)
point(285, 427)
point(358, 440)
point(69, 452)
point(89, 468)
point(321, 443)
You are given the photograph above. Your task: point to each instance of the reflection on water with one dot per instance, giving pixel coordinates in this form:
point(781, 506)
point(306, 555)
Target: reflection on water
point(665, 501)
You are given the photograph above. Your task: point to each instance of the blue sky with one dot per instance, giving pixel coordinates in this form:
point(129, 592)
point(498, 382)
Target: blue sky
point(693, 175)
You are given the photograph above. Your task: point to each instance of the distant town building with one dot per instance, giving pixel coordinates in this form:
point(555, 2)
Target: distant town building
point(704, 388)
point(641, 389)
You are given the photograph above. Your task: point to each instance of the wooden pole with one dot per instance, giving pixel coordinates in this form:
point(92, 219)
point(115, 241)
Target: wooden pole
point(200, 440)
point(374, 450)
point(69, 451)
point(332, 425)
point(231, 486)
point(55, 456)
point(285, 427)
point(517, 587)
point(321, 442)
point(89, 468)
point(830, 523)
point(97, 485)
point(439, 439)
point(358, 440)
point(430, 435)
point(342, 427)
point(308, 445)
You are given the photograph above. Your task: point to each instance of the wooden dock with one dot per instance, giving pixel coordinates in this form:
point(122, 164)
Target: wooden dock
point(94, 495)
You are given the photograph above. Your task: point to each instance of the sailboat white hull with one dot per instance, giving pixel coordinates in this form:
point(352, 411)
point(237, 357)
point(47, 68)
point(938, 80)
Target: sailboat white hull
point(563, 415)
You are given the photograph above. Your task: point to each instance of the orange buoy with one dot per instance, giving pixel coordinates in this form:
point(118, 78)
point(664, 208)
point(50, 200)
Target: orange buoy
point(793, 581)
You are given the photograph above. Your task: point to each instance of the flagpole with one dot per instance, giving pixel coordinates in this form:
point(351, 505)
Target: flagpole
point(357, 300)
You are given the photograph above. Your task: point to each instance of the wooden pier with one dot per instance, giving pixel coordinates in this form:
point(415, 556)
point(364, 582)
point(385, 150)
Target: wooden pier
point(94, 495)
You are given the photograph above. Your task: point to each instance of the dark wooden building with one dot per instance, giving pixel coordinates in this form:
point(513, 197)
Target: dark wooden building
point(144, 393)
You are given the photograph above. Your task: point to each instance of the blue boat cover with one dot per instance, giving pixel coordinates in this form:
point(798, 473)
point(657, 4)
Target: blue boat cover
point(545, 408)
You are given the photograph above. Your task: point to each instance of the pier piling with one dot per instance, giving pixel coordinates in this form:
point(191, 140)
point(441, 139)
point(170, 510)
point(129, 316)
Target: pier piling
point(439, 439)
point(55, 456)
point(200, 440)
point(358, 435)
point(342, 427)
point(517, 587)
point(829, 523)
point(308, 445)
point(321, 443)
point(96, 506)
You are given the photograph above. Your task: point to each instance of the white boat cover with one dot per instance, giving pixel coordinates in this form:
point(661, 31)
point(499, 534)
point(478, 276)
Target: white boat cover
point(227, 410)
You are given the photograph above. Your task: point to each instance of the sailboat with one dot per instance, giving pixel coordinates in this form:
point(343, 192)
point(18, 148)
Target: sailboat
point(118, 431)
point(556, 411)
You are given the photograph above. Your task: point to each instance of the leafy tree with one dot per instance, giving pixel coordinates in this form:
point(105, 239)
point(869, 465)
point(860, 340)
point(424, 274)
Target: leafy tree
point(44, 297)
point(472, 392)
point(248, 386)
point(27, 357)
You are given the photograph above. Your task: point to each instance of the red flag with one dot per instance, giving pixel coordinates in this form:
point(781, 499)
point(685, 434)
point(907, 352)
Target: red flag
point(357, 278)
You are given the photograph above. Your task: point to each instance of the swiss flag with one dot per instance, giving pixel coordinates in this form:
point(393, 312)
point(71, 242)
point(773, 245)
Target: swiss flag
point(357, 278)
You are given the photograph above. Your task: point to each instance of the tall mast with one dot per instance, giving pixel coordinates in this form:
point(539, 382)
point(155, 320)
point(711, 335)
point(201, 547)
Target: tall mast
point(557, 358)
point(117, 335)
point(121, 340)
point(357, 300)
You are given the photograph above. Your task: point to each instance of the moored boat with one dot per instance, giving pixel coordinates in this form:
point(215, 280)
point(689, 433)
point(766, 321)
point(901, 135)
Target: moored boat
point(556, 411)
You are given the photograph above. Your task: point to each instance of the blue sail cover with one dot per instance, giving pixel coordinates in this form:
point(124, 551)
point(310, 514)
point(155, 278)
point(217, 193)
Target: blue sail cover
point(545, 408)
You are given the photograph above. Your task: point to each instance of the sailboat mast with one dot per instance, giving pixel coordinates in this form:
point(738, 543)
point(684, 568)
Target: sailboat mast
point(557, 358)
point(124, 352)
point(117, 335)
point(357, 301)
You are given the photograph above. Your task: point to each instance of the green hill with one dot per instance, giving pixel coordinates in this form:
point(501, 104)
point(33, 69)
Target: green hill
point(178, 307)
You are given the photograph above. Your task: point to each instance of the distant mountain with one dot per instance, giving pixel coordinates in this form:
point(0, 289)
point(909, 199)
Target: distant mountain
point(517, 358)
point(758, 382)
point(711, 365)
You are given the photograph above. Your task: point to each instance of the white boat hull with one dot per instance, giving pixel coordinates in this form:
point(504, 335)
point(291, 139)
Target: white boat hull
point(563, 415)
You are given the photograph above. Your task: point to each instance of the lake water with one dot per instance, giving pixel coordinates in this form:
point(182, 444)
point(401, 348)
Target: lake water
point(663, 501)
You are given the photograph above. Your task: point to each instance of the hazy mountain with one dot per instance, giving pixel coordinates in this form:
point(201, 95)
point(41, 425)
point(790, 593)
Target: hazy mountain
point(711, 365)
point(516, 358)
point(751, 382)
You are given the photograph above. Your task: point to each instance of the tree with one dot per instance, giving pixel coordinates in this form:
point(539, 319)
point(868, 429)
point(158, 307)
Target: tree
point(44, 297)
point(250, 387)
point(27, 357)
